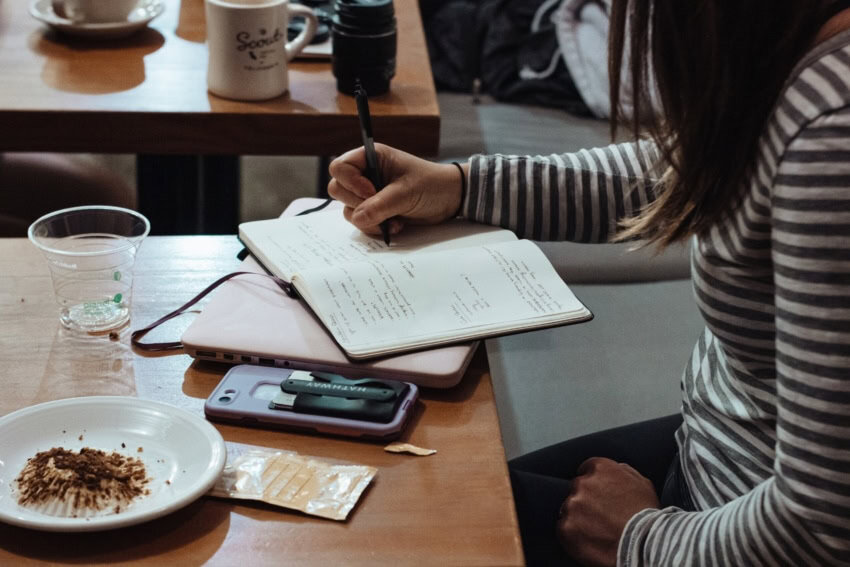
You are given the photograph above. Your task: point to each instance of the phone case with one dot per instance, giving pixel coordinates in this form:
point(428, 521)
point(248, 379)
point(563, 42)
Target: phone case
point(243, 395)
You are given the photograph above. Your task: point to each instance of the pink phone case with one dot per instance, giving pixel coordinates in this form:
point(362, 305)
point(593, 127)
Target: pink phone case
point(242, 398)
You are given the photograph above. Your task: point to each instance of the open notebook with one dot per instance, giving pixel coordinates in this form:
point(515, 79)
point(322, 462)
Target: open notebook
point(434, 286)
point(250, 320)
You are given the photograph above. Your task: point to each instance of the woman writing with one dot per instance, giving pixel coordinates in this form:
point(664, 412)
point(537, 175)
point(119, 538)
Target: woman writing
point(749, 157)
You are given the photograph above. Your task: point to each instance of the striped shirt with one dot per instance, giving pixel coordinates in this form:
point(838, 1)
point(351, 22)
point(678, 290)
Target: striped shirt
point(765, 443)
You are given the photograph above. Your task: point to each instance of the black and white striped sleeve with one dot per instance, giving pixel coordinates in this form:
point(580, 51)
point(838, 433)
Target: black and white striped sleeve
point(801, 514)
point(578, 196)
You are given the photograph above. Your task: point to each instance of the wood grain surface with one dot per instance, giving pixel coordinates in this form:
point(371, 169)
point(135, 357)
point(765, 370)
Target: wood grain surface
point(147, 94)
point(452, 508)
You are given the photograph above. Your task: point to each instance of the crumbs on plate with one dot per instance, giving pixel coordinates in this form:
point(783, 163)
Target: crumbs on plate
point(74, 484)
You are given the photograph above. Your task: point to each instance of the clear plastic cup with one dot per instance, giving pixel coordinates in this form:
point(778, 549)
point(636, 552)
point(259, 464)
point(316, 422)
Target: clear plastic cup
point(90, 251)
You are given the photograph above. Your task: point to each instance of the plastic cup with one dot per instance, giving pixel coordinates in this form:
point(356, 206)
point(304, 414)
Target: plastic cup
point(90, 251)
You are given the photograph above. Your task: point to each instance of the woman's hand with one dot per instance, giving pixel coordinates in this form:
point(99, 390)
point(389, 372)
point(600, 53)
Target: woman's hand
point(416, 190)
point(604, 497)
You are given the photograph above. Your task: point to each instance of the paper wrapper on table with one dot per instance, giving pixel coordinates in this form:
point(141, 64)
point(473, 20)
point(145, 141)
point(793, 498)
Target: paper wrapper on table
point(290, 480)
point(409, 448)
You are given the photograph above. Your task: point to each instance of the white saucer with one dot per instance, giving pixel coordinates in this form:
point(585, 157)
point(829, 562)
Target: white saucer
point(147, 10)
point(182, 452)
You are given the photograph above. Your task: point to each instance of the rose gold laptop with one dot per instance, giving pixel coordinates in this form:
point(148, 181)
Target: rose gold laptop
point(250, 320)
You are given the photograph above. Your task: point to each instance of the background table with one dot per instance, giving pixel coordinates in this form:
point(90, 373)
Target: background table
point(147, 95)
point(452, 508)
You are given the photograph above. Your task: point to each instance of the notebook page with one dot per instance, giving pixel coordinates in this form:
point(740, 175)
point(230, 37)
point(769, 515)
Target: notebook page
point(286, 246)
point(396, 301)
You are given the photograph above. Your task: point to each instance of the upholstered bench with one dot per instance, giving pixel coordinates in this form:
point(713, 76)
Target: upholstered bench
point(623, 366)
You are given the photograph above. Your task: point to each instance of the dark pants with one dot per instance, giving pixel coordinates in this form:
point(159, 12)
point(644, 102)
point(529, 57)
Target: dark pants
point(541, 480)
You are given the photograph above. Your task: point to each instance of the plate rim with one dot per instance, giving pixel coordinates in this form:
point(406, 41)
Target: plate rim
point(204, 483)
point(157, 7)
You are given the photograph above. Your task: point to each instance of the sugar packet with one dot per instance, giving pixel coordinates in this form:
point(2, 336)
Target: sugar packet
point(290, 480)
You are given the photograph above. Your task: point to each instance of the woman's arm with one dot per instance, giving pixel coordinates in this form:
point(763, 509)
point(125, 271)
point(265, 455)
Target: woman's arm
point(578, 196)
point(800, 515)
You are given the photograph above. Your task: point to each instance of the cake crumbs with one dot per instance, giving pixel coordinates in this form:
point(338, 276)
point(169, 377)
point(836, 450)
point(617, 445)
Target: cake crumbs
point(89, 479)
point(140, 450)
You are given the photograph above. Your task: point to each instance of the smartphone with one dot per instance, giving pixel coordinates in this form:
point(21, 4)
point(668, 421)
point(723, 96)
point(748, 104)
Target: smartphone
point(312, 402)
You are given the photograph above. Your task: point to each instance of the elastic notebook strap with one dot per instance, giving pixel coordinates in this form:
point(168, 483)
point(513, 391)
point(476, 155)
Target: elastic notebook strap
point(139, 333)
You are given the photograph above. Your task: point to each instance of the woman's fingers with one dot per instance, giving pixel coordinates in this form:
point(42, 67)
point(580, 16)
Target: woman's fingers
point(347, 171)
point(374, 230)
point(343, 195)
point(396, 225)
point(417, 191)
point(380, 207)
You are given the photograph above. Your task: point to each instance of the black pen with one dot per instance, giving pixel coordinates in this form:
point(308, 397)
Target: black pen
point(373, 170)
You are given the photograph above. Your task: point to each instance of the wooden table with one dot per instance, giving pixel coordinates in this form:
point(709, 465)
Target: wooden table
point(147, 95)
point(452, 508)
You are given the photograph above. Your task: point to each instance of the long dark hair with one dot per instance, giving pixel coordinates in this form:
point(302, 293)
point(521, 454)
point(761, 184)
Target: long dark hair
point(719, 67)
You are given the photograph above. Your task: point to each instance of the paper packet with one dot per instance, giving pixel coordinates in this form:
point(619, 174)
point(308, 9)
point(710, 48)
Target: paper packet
point(290, 480)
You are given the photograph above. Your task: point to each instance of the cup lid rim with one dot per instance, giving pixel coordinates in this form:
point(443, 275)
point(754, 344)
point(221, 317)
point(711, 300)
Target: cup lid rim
point(133, 240)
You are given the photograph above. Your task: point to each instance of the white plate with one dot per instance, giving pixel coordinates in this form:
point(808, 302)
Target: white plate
point(183, 454)
point(147, 10)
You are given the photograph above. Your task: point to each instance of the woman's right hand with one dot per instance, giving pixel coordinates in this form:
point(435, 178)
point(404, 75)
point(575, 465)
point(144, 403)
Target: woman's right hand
point(416, 190)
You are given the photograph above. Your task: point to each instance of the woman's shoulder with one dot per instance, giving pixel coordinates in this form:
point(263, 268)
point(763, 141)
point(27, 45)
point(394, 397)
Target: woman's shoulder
point(818, 86)
point(820, 82)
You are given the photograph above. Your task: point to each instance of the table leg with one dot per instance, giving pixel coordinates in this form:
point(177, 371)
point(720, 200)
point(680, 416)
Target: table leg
point(188, 194)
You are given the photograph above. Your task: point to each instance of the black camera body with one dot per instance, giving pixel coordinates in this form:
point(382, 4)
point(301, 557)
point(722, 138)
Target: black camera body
point(363, 40)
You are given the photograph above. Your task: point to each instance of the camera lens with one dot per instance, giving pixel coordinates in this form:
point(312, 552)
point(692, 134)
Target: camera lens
point(224, 399)
point(363, 43)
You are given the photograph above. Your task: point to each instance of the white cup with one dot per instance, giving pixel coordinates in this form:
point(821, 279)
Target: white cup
point(94, 11)
point(248, 48)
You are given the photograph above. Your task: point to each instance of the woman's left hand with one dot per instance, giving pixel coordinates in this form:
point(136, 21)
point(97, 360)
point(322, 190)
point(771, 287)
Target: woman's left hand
point(604, 497)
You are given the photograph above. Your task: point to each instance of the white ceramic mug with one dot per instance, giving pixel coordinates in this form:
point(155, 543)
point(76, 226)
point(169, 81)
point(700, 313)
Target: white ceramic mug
point(248, 48)
point(94, 11)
